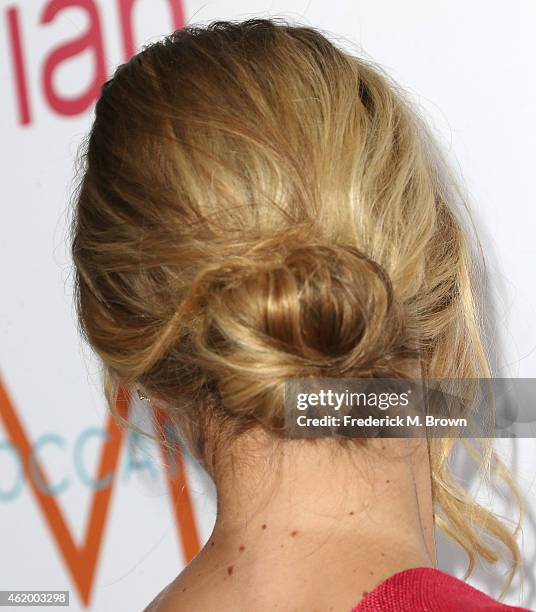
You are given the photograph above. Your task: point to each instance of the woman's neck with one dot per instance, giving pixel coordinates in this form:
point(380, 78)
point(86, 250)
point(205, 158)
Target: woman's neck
point(308, 522)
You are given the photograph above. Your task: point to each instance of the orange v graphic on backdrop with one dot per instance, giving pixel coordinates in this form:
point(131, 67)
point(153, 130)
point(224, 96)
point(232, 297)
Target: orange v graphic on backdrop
point(81, 560)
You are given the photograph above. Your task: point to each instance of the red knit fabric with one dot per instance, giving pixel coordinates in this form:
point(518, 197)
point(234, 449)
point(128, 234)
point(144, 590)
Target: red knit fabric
point(426, 589)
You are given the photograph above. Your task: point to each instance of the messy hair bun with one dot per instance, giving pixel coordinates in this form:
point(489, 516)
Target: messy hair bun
point(284, 309)
point(257, 205)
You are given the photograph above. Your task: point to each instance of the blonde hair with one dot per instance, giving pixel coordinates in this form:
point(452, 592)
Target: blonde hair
point(257, 204)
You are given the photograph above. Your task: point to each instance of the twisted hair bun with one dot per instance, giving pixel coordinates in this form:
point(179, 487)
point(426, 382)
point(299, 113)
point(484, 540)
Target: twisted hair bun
point(286, 309)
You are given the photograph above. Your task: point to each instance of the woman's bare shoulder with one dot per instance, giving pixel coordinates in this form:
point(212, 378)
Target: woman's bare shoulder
point(185, 594)
point(165, 601)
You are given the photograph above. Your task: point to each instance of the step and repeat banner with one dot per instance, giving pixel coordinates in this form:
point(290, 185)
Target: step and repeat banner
point(106, 514)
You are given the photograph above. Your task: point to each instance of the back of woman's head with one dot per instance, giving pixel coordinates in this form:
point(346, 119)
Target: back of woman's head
point(259, 205)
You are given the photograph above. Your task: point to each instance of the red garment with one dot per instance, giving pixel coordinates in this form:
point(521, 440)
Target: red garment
point(426, 589)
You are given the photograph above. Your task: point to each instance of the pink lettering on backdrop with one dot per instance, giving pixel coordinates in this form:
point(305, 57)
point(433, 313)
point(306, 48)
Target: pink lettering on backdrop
point(19, 66)
point(91, 40)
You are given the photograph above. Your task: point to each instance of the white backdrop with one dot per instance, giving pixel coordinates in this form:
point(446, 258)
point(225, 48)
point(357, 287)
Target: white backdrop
point(468, 64)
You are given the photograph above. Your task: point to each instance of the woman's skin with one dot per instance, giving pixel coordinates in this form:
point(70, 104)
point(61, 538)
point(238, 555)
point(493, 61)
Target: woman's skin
point(309, 526)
